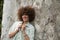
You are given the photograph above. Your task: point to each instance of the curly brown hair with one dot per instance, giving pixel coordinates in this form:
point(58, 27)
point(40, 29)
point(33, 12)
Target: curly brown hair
point(26, 11)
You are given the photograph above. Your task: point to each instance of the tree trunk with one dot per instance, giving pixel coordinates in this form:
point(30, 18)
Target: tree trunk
point(47, 19)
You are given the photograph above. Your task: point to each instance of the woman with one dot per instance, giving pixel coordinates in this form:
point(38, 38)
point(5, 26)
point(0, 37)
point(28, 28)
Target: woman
point(23, 29)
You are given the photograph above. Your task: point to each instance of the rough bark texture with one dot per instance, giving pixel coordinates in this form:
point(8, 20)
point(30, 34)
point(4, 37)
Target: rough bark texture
point(47, 20)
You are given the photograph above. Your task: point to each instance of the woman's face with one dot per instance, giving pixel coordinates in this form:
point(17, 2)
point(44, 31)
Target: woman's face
point(25, 18)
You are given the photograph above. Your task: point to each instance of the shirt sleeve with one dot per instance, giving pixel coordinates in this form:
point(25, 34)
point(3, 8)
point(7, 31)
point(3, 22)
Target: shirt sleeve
point(31, 36)
point(14, 27)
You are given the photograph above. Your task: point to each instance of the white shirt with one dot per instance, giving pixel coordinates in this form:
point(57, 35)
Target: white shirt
point(19, 36)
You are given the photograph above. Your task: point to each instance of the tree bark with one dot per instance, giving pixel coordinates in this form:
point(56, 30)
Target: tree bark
point(47, 19)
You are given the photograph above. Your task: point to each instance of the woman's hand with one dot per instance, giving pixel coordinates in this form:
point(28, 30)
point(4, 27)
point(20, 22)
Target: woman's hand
point(23, 27)
point(19, 28)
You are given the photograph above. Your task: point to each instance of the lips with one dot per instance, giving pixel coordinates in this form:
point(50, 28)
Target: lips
point(24, 17)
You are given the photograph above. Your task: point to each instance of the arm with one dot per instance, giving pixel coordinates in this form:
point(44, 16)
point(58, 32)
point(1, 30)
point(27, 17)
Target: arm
point(14, 29)
point(26, 36)
point(12, 34)
point(30, 36)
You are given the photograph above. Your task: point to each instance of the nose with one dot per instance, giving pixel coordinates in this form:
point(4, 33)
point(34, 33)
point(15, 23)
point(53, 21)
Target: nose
point(24, 16)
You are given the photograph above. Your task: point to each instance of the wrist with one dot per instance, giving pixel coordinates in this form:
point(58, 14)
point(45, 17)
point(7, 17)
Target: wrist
point(24, 34)
point(17, 30)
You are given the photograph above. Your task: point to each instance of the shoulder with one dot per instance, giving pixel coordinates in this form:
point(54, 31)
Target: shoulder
point(30, 25)
point(16, 23)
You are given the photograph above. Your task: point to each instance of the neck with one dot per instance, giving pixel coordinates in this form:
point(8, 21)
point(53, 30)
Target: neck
point(25, 22)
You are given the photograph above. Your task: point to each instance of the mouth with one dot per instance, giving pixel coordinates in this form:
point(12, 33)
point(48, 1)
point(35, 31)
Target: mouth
point(24, 17)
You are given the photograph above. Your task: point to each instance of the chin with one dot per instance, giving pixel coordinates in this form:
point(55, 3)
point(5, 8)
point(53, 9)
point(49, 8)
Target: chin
point(25, 20)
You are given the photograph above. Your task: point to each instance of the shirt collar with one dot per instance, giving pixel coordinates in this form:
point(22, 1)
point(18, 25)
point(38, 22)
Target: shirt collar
point(27, 23)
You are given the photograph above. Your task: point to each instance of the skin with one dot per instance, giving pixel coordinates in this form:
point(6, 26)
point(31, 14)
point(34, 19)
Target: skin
point(25, 20)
